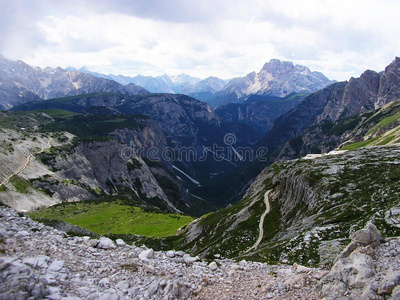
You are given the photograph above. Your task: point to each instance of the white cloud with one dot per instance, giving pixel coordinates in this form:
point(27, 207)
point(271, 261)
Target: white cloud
point(211, 37)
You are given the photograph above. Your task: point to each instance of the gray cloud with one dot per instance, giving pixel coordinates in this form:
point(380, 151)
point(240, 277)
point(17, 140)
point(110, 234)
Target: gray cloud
point(227, 36)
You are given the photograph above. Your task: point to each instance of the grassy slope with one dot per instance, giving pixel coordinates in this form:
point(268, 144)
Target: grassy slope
point(115, 218)
point(384, 128)
point(349, 190)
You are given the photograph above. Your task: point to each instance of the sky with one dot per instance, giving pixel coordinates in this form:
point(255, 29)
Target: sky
point(223, 38)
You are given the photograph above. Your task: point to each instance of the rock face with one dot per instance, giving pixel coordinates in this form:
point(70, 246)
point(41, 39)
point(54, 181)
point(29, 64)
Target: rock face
point(22, 83)
point(367, 271)
point(259, 112)
point(379, 127)
point(276, 78)
point(74, 171)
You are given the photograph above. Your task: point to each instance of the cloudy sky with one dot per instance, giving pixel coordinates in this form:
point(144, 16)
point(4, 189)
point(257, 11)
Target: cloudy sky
point(224, 38)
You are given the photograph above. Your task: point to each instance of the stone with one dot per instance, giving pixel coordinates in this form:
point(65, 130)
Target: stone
point(243, 263)
point(349, 249)
point(146, 254)
point(170, 254)
point(120, 243)
point(133, 291)
point(366, 250)
point(301, 269)
point(106, 244)
point(40, 261)
point(93, 242)
point(153, 288)
point(189, 259)
point(213, 266)
point(180, 253)
point(104, 281)
point(149, 268)
point(122, 285)
point(396, 293)
point(354, 272)
point(388, 283)
point(22, 233)
point(3, 233)
point(370, 235)
point(56, 266)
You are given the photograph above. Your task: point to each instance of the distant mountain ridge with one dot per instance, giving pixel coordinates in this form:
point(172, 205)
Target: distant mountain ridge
point(276, 78)
point(202, 89)
point(21, 83)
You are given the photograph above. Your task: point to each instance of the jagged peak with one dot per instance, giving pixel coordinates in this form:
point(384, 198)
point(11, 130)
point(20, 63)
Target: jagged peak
point(394, 66)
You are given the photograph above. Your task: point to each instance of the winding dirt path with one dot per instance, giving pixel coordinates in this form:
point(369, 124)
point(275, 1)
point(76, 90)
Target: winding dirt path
point(261, 223)
point(27, 162)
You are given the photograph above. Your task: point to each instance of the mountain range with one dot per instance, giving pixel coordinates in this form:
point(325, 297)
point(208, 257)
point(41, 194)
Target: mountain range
point(21, 83)
point(202, 89)
point(276, 78)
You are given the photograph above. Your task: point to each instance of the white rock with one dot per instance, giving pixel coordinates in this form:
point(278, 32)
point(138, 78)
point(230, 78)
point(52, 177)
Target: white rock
point(120, 243)
point(56, 266)
point(106, 243)
point(189, 259)
point(146, 254)
point(179, 253)
point(93, 242)
point(213, 266)
point(104, 281)
point(301, 269)
point(40, 261)
point(122, 285)
point(153, 288)
point(149, 268)
point(133, 291)
point(170, 254)
point(242, 263)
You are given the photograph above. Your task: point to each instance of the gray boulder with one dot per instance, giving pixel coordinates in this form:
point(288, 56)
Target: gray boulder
point(146, 254)
point(370, 235)
point(106, 244)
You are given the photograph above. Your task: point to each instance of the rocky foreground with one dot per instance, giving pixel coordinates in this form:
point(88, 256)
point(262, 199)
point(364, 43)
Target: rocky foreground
point(37, 261)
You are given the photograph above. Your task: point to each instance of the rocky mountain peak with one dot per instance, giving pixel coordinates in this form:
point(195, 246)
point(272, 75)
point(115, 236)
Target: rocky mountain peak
point(277, 67)
point(276, 78)
point(394, 66)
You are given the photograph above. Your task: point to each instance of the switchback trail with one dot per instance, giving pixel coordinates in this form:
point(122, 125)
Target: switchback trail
point(261, 223)
point(27, 161)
